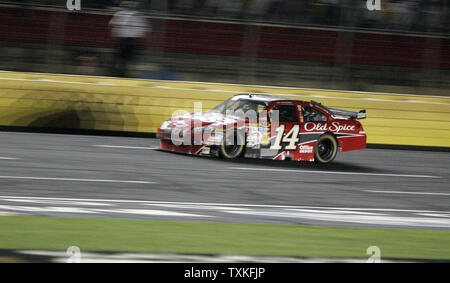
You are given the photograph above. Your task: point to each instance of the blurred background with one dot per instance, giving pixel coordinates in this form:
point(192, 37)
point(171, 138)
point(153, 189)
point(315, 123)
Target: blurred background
point(404, 47)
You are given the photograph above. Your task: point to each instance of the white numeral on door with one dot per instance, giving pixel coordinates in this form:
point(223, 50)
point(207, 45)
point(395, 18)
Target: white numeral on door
point(291, 137)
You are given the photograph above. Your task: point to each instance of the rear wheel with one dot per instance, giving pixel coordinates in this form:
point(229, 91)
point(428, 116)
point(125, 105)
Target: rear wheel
point(233, 145)
point(326, 149)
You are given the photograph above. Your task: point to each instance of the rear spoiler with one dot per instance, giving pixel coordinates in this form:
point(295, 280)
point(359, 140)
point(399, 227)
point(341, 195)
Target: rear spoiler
point(355, 115)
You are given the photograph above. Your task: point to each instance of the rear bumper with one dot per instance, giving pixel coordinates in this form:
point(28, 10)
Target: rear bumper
point(354, 142)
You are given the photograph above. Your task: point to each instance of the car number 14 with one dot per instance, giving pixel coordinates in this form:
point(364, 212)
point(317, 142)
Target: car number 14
point(291, 138)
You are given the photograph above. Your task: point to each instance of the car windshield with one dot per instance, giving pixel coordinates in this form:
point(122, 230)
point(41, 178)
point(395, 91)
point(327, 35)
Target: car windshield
point(244, 105)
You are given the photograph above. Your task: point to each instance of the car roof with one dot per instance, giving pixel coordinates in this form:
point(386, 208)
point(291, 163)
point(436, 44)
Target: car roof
point(271, 98)
point(261, 97)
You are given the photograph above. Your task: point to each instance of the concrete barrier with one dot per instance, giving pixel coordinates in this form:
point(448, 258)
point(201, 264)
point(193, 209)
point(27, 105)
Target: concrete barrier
point(111, 104)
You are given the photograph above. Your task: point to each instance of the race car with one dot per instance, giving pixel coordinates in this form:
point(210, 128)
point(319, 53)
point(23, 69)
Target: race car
point(265, 127)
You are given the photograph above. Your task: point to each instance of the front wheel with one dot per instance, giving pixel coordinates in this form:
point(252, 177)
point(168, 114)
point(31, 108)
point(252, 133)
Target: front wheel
point(233, 145)
point(326, 149)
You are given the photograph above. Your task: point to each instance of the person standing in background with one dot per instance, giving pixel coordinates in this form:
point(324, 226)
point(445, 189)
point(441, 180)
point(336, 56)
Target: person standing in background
point(129, 28)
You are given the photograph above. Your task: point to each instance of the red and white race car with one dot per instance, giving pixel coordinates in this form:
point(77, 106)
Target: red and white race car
point(266, 127)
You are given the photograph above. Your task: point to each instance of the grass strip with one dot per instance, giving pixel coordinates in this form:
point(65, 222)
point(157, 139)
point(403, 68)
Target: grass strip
point(50, 233)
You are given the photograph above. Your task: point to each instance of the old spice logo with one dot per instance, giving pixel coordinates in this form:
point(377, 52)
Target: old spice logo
point(334, 127)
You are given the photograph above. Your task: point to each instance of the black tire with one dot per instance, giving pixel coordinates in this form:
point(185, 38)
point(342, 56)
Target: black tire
point(232, 146)
point(326, 149)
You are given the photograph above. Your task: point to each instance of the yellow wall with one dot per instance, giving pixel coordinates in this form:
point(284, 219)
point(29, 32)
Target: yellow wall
point(43, 100)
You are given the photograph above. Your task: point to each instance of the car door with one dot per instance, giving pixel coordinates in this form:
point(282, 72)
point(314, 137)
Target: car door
point(285, 127)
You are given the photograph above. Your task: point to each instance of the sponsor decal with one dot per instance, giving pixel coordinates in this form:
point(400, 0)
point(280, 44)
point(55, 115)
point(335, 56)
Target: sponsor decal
point(334, 127)
point(306, 149)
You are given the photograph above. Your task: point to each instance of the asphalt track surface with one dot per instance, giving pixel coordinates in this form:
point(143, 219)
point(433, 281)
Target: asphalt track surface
point(117, 177)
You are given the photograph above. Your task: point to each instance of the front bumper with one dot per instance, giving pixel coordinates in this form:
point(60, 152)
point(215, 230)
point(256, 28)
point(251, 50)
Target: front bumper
point(186, 137)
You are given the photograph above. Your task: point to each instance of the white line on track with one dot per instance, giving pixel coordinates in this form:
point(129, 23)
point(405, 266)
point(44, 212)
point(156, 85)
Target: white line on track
point(126, 147)
point(409, 193)
point(333, 172)
point(8, 158)
point(75, 180)
point(152, 202)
